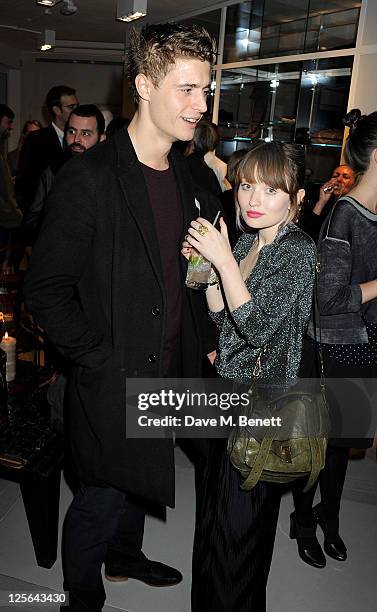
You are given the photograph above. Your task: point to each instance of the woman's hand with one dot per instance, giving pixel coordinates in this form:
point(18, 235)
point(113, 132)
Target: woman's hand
point(211, 243)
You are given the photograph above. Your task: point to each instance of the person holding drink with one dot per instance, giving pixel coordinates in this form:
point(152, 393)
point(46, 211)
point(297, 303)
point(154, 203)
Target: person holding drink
point(260, 297)
point(341, 182)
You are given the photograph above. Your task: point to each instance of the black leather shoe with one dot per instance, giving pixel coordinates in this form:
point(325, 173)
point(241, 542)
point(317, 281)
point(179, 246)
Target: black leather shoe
point(333, 543)
point(308, 546)
point(118, 568)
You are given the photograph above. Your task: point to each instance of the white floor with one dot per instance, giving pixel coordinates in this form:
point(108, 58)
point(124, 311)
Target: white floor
point(293, 585)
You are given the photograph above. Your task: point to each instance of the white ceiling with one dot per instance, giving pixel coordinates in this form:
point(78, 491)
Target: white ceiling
point(93, 21)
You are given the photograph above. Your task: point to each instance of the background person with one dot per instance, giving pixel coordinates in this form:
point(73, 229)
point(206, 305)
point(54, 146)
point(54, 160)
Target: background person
point(342, 180)
point(31, 125)
point(85, 128)
point(347, 294)
point(203, 175)
point(207, 136)
point(10, 214)
point(116, 124)
point(44, 147)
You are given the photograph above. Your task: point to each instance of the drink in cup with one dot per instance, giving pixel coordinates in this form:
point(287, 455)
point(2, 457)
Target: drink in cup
point(198, 271)
point(199, 268)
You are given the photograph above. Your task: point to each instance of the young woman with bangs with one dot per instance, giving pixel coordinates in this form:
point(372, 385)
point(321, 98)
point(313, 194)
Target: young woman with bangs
point(262, 300)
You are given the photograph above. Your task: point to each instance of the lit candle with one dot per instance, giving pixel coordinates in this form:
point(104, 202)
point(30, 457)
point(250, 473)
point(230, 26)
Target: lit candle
point(8, 344)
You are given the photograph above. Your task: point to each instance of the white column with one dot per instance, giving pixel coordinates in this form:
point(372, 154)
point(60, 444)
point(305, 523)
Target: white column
point(363, 89)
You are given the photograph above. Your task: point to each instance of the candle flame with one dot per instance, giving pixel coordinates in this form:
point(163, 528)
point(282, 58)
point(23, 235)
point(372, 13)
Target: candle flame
point(6, 335)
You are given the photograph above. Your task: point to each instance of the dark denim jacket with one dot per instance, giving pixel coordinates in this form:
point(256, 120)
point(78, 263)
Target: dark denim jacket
point(348, 257)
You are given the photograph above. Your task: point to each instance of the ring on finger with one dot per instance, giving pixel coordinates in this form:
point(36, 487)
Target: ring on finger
point(202, 230)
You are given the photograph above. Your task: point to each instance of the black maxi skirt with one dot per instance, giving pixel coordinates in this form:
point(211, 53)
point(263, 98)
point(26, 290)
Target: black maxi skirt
point(234, 539)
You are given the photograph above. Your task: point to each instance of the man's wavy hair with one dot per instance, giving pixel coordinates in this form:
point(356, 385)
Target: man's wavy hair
point(155, 48)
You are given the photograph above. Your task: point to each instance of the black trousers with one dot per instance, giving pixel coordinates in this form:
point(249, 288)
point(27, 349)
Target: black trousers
point(234, 539)
point(98, 518)
point(353, 412)
point(331, 482)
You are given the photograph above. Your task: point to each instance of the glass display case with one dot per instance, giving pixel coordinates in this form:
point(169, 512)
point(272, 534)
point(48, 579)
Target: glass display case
point(270, 28)
point(302, 102)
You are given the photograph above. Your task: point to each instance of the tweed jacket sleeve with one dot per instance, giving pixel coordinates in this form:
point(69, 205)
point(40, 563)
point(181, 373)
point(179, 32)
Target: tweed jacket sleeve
point(289, 271)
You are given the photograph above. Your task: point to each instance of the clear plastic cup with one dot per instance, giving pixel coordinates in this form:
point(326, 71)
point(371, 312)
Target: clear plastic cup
point(198, 271)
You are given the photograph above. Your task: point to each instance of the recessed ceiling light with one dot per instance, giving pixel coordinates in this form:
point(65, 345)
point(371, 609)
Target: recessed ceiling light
point(47, 41)
point(48, 2)
point(129, 10)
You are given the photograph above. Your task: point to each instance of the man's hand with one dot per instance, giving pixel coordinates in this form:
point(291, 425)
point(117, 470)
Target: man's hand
point(325, 194)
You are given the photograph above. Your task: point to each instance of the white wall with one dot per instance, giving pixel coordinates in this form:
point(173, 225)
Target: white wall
point(369, 34)
point(363, 90)
point(95, 83)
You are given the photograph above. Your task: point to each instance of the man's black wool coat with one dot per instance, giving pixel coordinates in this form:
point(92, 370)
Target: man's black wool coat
point(95, 286)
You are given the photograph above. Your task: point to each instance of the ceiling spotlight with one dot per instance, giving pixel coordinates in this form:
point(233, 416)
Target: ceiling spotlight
point(47, 41)
point(48, 2)
point(129, 10)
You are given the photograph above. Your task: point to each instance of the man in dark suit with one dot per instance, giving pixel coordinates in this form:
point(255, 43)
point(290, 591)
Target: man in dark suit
point(44, 147)
point(107, 284)
point(84, 128)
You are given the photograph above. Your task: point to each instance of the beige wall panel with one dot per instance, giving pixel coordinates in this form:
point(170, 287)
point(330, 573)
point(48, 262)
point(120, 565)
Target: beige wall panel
point(365, 86)
point(99, 84)
point(369, 36)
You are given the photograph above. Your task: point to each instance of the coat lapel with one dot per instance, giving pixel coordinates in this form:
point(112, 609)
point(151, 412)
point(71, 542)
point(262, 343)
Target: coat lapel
point(186, 194)
point(185, 190)
point(135, 194)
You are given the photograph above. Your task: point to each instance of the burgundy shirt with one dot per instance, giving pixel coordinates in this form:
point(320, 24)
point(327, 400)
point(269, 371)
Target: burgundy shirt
point(167, 214)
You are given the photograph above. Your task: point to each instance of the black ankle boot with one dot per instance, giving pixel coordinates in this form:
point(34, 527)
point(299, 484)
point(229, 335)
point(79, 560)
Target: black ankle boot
point(333, 543)
point(308, 546)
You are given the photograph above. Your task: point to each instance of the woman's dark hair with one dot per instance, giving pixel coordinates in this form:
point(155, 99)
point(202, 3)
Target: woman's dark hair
point(362, 139)
point(233, 162)
point(206, 137)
